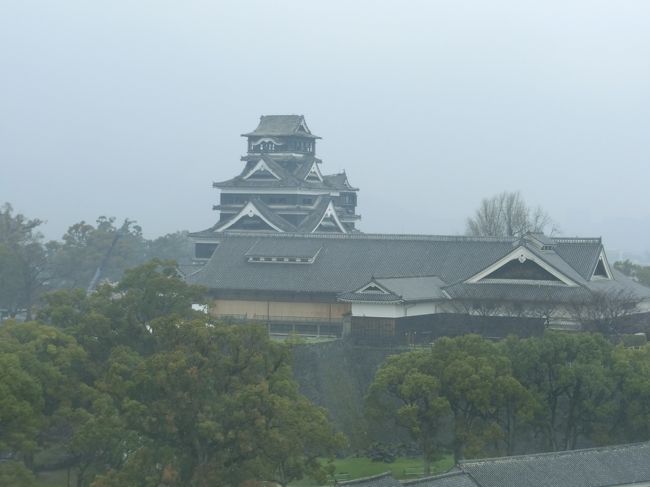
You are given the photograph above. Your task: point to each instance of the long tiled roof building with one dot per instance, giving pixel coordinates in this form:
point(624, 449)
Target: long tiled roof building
point(286, 252)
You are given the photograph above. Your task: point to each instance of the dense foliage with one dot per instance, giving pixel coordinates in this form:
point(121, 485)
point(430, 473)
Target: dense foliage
point(131, 386)
point(30, 266)
point(554, 392)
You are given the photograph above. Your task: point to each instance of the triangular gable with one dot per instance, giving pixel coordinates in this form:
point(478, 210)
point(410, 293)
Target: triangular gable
point(330, 215)
point(602, 269)
point(261, 169)
point(302, 127)
point(373, 288)
point(314, 174)
point(248, 211)
point(523, 266)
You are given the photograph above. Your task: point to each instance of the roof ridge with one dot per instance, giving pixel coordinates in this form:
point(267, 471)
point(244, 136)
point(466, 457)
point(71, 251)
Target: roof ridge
point(370, 477)
point(577, 239)
point(389, 236)
point(580, 451)
point(415, 276)
point(451, 473)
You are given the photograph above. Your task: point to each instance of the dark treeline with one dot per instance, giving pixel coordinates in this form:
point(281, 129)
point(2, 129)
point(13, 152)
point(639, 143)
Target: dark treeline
point(474, 397)
point(31, 266)
point(131, 386)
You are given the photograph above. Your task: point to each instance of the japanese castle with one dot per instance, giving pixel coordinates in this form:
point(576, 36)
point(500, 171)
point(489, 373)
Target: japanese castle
point(286, 252)
point(281, 187)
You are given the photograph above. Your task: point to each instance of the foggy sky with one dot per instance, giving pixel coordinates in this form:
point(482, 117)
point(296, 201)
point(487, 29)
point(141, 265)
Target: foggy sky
point(133, 108)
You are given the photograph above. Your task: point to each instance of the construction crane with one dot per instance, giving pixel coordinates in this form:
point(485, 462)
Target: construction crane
point(123, 230)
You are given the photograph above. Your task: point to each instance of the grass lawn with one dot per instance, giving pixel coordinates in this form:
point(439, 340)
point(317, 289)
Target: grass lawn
point(358, 467)
point(56, 478)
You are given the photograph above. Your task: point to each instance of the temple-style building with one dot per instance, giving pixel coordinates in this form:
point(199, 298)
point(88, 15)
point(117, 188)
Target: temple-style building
point(281, 187)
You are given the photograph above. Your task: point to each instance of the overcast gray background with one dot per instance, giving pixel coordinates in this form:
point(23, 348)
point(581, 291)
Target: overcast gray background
point(133, 108)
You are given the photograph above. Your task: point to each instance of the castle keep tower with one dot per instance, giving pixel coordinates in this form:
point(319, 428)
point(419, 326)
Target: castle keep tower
point(281, 187)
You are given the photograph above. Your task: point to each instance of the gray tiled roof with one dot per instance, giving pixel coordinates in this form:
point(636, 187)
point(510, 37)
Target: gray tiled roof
point(339, 180)
point(348, 261)
point(518, 291)
point(270, 215)
point(381, 480)
point(280, 125)
point(580, 254)
point(598, 467)
point(419, 288)
point(625, 284)
point(415, 288)
point(310, 223)
point(291, 248)
point(610, 466)
point(454, 478)
point(293, 177)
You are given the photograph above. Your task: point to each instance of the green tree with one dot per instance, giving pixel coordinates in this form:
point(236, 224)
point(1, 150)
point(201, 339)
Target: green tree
point(21, 404)
point(467, 380)
point(173, 246)
point(632, 375)
point(23, 262)
point(478, 382)
point(40, 386)
point(74, 261)
point(570, 376)
point(178, 399)
point(404, 391)
point(15, 474)
point(219, 405)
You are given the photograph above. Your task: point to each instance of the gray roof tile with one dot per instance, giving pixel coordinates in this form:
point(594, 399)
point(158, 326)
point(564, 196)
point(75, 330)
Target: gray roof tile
point(348, 261)
point(381, 480)
point(598, 467)
point(281, 125)
point(454, 478)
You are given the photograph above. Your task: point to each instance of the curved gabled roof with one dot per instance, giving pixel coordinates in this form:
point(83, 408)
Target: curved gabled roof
point(346, 262)
point(282, 125)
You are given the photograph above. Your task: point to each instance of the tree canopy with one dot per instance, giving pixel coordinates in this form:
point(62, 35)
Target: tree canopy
point(553, 392)
point(508, 215)
point(136, 388)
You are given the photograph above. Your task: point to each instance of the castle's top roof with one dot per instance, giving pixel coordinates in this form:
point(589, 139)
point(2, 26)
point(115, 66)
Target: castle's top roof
point(282, 125)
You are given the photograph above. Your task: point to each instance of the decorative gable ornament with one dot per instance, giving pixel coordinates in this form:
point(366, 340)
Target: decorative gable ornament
point(533, 270)
point(373, 288)
point(261, 168)
point(331, 215)
point(314, 173)
point(248, 211)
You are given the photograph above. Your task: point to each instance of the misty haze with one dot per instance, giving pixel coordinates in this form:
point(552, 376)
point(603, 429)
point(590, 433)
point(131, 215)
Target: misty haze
point(374, 244)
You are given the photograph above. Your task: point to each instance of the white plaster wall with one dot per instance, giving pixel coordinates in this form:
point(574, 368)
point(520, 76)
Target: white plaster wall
point(417, 309)
point(393, 310)
point(377, 310)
